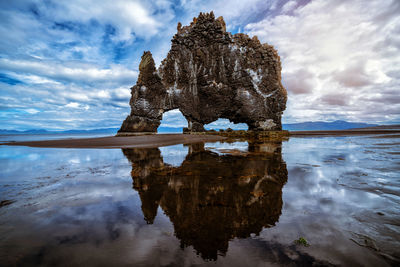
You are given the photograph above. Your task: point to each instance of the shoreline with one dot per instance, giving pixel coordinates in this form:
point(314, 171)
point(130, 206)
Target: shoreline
point(159, 140)
point(342, 132)
point(138, 141)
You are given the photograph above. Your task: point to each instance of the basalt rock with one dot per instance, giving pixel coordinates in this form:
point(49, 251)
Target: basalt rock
point(237, 195)
point(209, 74)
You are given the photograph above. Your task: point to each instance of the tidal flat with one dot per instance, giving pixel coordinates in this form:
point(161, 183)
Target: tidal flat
point(323, 201)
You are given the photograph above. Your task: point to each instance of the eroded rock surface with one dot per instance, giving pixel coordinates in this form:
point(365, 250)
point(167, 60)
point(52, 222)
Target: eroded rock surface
point(209, 74)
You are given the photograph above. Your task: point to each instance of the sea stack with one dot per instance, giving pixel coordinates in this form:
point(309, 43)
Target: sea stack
point(209, 74)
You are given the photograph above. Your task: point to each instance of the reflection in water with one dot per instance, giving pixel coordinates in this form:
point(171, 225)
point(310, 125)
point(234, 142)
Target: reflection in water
point(76, 207)
point(212, 198)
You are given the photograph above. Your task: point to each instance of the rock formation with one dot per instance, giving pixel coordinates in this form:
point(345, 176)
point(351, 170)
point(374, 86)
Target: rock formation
point(209, 74)
point(236, 195)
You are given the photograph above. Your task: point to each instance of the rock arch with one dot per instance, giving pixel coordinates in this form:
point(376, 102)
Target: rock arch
point(172, 119)
point(209, 74)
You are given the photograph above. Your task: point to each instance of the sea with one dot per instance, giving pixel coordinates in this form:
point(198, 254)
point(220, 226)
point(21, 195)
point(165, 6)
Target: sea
point(321, 201)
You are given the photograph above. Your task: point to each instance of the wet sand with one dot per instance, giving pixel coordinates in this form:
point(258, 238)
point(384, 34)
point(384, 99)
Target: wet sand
point(143, 141)
point(158, 140)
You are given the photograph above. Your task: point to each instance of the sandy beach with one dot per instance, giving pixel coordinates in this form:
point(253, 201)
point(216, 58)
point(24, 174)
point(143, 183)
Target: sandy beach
point(143, 141)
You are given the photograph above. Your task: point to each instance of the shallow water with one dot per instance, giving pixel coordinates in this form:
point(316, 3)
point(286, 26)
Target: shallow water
point(6, 138)
point(224, 204)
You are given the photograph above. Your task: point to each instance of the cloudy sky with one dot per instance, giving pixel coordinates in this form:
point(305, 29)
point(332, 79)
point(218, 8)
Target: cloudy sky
point(70, 64)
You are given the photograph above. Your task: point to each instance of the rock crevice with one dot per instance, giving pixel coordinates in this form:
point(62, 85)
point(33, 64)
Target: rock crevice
point(209, 74)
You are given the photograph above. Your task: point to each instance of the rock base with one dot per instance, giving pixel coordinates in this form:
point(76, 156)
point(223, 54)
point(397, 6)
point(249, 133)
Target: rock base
point(133, 133)
point(241, 134)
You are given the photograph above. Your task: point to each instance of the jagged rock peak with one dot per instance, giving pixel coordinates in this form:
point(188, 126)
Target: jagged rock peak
point(209, 74)
point(146, 67)
point(202, 19)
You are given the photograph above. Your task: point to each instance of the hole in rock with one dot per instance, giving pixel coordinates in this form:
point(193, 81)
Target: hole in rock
point(174, 155)
point(172, 121)
point(225, 124)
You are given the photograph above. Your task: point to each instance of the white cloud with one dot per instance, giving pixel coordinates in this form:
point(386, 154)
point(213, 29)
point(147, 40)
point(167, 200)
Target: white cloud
point(225, 124)
point(32, 111)
point(333, 53)
point(235, 12)
point(173, 118)
point(34, 79)
point(103, 94)
point(128, 17)
point(122, 92)
point(289, 6)
point(71, 71)
point(77, 96)
point(72, 105)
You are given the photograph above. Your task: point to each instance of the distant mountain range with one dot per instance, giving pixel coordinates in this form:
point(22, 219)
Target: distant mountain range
point(303, 126)
point(323, 126)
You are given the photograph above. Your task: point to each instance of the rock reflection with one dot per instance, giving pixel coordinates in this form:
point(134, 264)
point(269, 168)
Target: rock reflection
point(212, 198)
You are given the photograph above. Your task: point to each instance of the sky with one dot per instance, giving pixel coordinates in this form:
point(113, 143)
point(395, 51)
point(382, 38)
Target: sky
point(70, 64)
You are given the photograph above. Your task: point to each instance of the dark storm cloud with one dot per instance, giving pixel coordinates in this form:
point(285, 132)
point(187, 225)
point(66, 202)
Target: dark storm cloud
point(354, 75)
point(298, 82)
point(335, 100)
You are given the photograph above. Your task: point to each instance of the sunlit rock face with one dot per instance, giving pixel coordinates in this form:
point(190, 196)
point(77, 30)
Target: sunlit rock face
point(209, 74)
point(212, 198)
